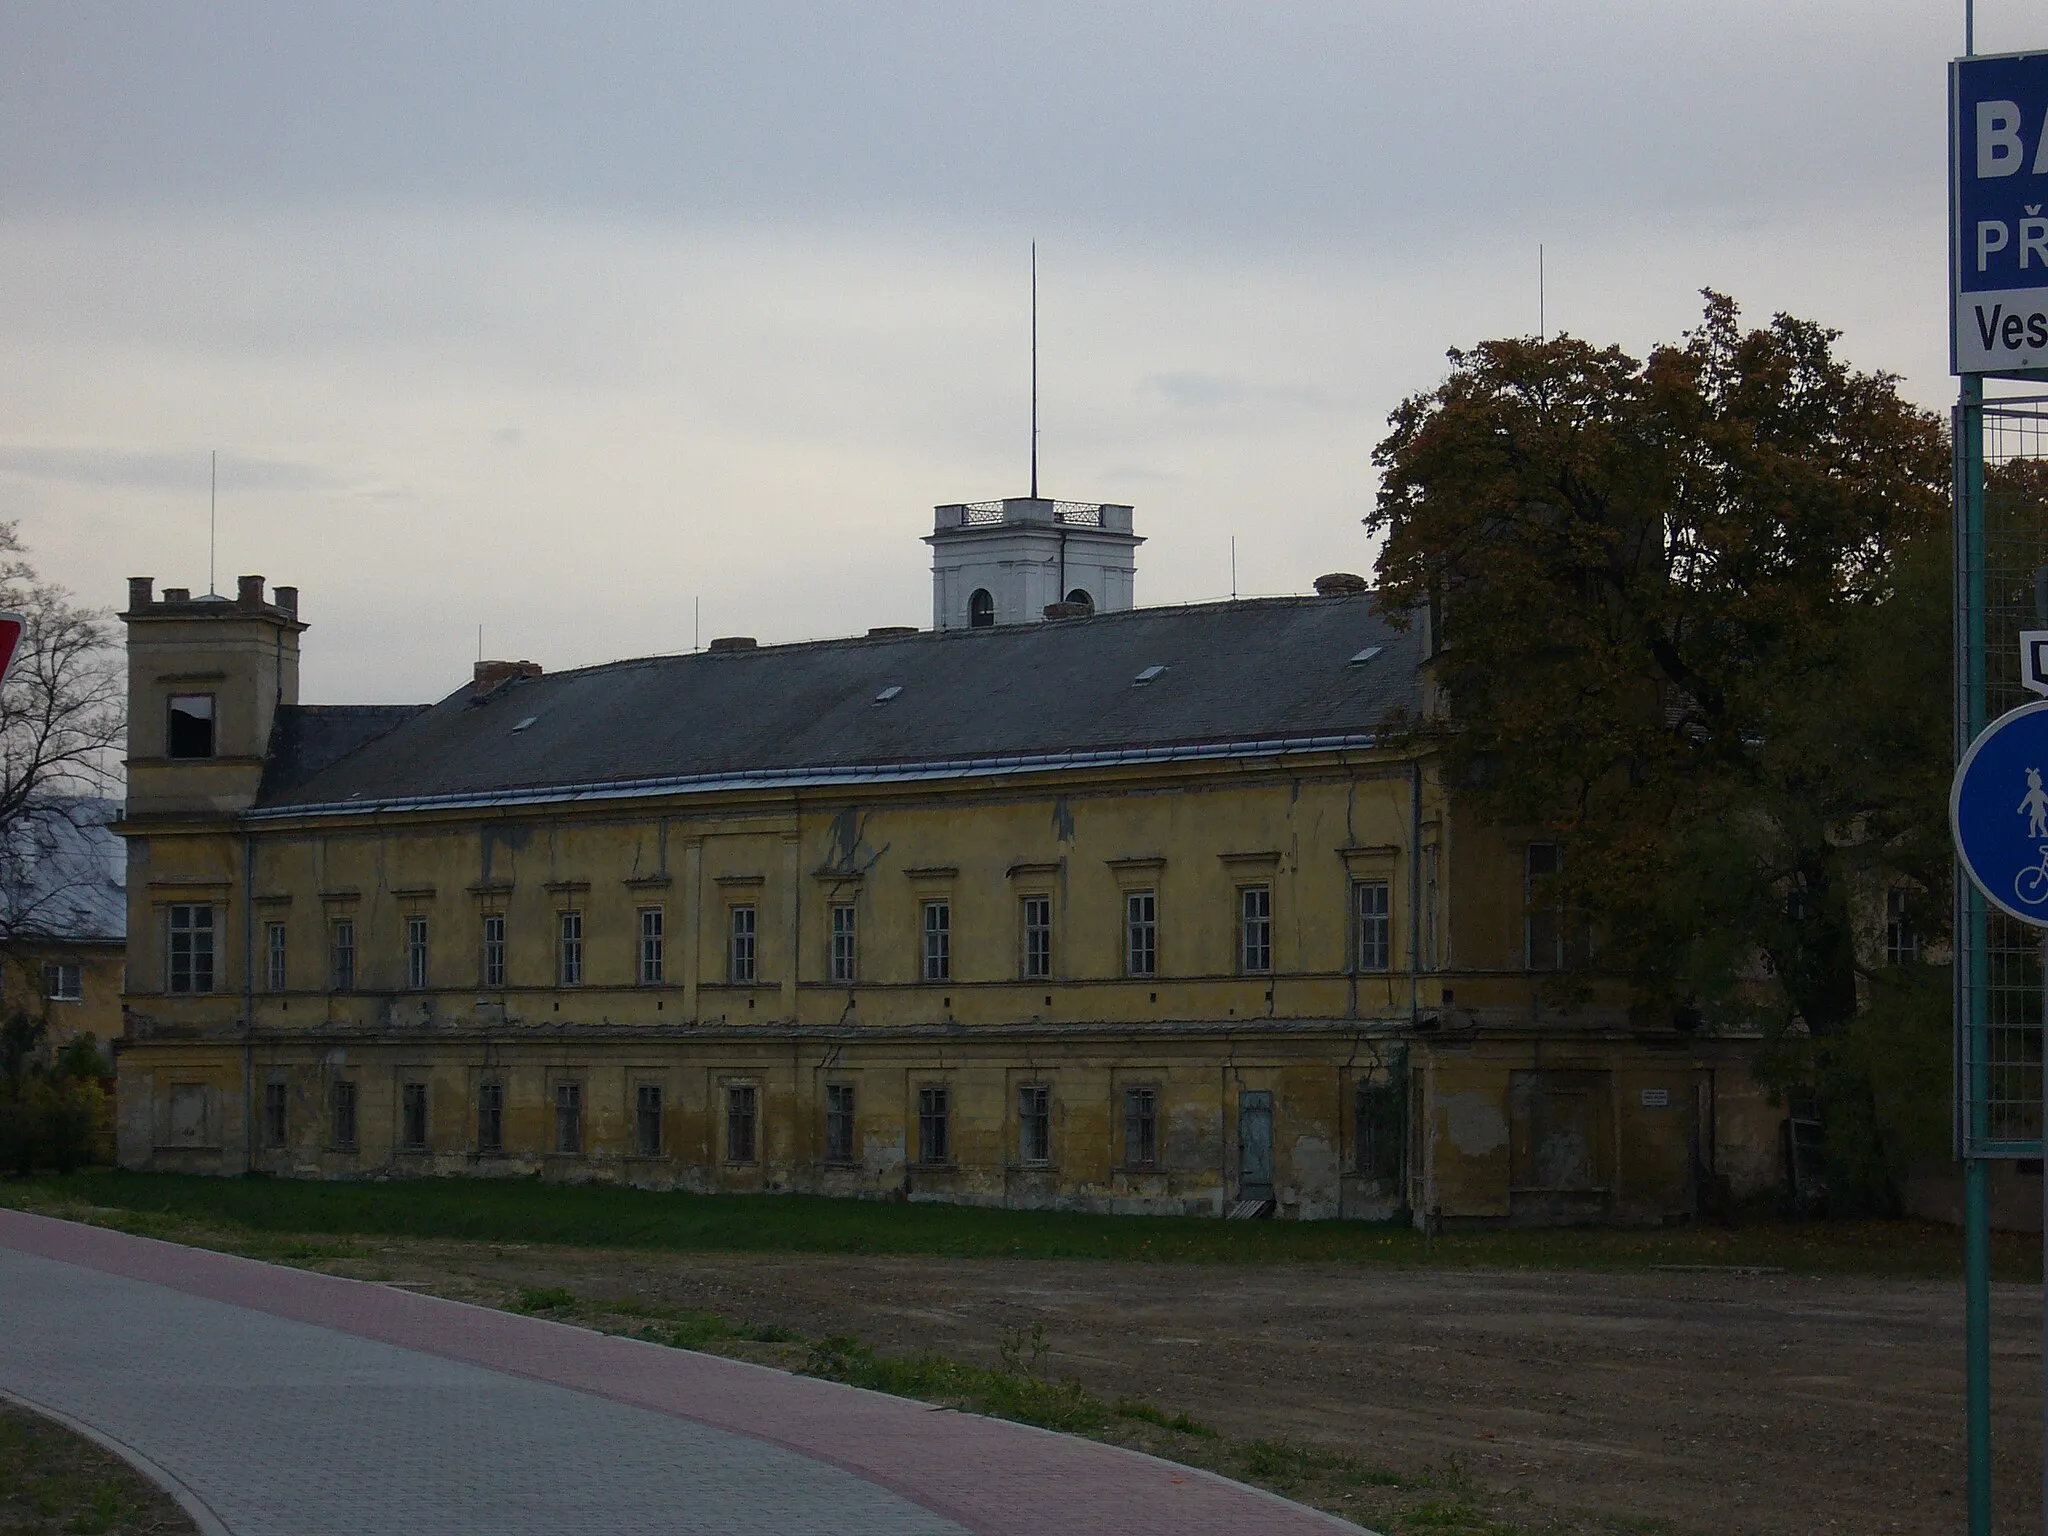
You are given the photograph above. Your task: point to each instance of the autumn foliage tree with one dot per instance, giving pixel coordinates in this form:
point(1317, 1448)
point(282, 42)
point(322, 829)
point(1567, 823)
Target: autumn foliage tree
point(1693, 623)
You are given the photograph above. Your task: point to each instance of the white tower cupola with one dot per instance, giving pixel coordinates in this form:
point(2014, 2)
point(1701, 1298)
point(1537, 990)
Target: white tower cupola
point(1005, 562)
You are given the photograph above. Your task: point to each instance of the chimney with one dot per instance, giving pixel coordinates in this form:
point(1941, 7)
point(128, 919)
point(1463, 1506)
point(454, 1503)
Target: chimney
point(1068, 610)
point(878, 631)
point(733, 643)
point(287, 599)
point(1340, 584)
point(177, 594)
point(248, 591)
point(139, 592)
point(492, 675)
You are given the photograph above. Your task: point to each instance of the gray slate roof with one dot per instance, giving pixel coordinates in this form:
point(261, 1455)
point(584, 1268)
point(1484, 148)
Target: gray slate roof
point(1238, 672)
point(64, 872)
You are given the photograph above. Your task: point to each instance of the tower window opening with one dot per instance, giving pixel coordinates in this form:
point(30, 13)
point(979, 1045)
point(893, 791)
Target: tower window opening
point(1080, 595)
point(981, 609)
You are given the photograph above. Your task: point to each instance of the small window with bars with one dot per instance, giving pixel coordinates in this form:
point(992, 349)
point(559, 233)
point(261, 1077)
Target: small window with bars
point(844, 950)
point(1037, 938)
point(651, 920)
point(1141, 933)
point(1255, 928)
point(1034, 1123)
point(839, 1123)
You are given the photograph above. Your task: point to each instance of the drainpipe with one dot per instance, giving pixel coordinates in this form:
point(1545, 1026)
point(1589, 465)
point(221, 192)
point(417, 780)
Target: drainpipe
point(1414, 892)
point(248, 1001)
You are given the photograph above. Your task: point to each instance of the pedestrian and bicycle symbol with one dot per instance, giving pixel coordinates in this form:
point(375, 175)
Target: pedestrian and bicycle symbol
point(1998, 813)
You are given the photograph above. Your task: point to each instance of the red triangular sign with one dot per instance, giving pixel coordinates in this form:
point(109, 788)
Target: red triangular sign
point(11, 626)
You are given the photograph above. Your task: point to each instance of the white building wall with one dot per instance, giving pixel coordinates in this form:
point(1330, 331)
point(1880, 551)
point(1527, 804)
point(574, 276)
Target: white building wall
point(1019, 559)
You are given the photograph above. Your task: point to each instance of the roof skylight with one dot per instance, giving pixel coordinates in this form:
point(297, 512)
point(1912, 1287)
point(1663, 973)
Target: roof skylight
point(1366, 655)
point(888, 693)
point(1148, 674)
point(522, 725)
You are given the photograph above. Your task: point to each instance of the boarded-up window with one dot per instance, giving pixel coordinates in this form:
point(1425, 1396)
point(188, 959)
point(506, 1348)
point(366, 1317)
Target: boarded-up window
point(1558, 1140)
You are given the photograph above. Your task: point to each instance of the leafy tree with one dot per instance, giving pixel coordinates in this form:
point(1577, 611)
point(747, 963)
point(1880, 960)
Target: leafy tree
point(1692, 620)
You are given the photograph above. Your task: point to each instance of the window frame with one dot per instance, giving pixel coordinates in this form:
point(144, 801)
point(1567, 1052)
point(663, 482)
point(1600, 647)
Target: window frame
point(653, 945)
point(1901, 939)
point(647, 1111)
point(935, 948)
point(1034, 1125)
point(416, 952)
point(1034, 918)
point(1141, 933)
point(343, 1126)
point(490, 1117)
point(934, 1126)
point(569, 947)
point(840, 1125)
point(843, 930)
point(493, 978)
point(341, 954)
point(1255, 930)
point(1372, 925)
point(201, 960)
point(212, 718)
point(742, 944)
point(414, 1105)
point(568, 1140)
point(55, 977)
point(275, 956)
point(742, 1110)
point(1144, 1157)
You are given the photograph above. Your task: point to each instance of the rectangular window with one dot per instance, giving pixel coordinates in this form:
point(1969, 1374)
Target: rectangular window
point(494, 950)
point(1901, 939)
point(647, 1119)
point(1543, 863)
point(650, 946)
point(1255, 928)
point(342, 955)
point(1034, 1123)
point(273, 954)
point(740, 1124)
point(844, 952)
point(569, 1117)
point(739, 962)
point(276, 1108)
point(63, 982)
point(938, 940)
point(934, 1128)
point(416, 953)
point(1372, 921)
point(569, 956)
point(190, 732)
point(1037, 937)
point(412, 1117)
point(1378, 1126)
point(1141, 1127)
point(490, 1117)
point(839, 1122)
point(191, 948)
point(1141, 933)
point(342, 1101)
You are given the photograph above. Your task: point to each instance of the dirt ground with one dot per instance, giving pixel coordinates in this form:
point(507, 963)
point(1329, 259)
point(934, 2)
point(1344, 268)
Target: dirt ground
point(1730, 1403)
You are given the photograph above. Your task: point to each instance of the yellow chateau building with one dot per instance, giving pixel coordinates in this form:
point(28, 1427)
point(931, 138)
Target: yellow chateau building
point(1084, 905)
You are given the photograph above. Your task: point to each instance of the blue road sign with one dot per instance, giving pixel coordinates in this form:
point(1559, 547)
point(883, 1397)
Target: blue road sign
point(1998, 813)
point(1998, 213)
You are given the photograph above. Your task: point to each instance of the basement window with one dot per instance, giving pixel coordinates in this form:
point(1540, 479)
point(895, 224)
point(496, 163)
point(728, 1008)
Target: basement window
point(1148, 674)
point(1366, 655)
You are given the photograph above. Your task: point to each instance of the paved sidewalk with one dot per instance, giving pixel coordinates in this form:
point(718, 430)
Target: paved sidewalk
point(301, 1404)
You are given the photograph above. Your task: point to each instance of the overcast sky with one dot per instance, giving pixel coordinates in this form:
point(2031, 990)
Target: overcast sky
point(557, 319)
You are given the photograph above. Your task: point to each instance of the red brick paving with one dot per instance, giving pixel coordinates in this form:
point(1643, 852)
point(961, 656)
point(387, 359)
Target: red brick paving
point(993, 1477)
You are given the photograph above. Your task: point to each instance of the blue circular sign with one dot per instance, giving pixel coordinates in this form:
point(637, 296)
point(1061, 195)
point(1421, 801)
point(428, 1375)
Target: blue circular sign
point(1998, 813)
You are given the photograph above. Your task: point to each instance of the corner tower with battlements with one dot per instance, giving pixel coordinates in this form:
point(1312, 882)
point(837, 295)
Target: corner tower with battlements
point(1006, 562)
